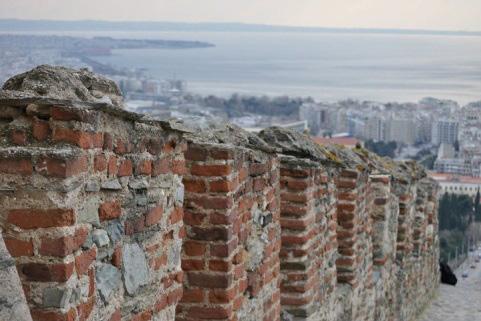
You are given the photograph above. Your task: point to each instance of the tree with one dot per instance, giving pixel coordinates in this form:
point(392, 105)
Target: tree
point(381, 148)
point(477, 207)
point(455, 217)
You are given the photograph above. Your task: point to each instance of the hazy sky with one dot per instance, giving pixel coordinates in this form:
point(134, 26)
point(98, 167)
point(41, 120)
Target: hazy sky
point(413, 14)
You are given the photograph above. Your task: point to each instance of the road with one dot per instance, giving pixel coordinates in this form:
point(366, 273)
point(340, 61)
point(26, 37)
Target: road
point(459, 303)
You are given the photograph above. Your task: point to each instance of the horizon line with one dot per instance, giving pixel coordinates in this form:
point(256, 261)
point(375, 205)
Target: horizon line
point(250, 26)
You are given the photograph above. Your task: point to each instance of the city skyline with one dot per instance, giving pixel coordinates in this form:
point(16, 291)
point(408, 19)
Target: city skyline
point(411, 14)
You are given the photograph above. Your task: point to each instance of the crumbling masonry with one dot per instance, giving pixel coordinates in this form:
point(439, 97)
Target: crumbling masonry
point(110, 215)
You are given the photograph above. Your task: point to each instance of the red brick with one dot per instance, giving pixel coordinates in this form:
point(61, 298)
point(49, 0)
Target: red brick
point(348, 184)
point(125, 168)
point(289, 209)
point(122, 147)
point(193, 265)
point(117, 257)
point(18, 137)
point(350, 173)
point(193, 218)
point(221, 154)
point(210, 313)
point(70, 113)
point(182, 232)
point(221, 186)
point(160, 304)
point(112, 167)
point(40, 129)
point(108, 142)
point(194, 186)
point(298, 224)
point(298, 173)
point(92, 286)
point(48, 315)
point(160, 166)
point(208, 280)
point(16, 166)
point(176, 215)
point(298, 185)
point(64, 168)
point(210, 170)
point(219, 265)
point(84, 260)
point(116, 316)
point(169, 147)
point(196, 153)
point(223, 218)
point(143, 167)
point(222, 296)
point(109, 211)
point(154, 216)
point(213, 202)
point(100, 163)
point(178, 167)
point(79, 138)
point(174, 296)
point(193, 248)
point(41, 272)
point(18, 247)
point(345, 261)
point(134, 225)
point(85, 309)
point(36, 218)
point(217, 233)
point(64, 245)
point(193, 296)
point(223, 250)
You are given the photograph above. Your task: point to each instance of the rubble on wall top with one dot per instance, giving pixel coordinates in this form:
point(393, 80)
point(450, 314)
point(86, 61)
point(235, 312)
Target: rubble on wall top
point(292, 143)
point(227, 134)
point(63, 83)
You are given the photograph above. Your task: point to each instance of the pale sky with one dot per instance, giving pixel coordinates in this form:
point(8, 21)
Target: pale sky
point(407, 14)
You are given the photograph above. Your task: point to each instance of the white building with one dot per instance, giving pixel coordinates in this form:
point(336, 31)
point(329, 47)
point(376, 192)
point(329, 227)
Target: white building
point(401, 130)
point(445, 131)
point(457, 166)
point(316, 115)
point(455, 184)
point(374, 128)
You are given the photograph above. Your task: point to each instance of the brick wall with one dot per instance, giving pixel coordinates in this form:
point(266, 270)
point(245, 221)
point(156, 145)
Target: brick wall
point(308, 224)
point(92, 211)
point(231, 252)
point(109, 215)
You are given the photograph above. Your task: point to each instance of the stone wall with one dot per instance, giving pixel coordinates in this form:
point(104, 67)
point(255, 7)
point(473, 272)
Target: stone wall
point(110, 215)
point(92, 210)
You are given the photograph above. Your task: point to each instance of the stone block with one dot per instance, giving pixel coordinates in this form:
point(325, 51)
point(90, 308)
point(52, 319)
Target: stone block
point(135, 269)
point(108, 279)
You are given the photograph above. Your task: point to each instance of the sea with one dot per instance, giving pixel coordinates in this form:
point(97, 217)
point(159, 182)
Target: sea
point(325, 66)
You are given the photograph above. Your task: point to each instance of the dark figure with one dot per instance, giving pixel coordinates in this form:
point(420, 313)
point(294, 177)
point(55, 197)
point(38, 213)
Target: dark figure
point(447, 275)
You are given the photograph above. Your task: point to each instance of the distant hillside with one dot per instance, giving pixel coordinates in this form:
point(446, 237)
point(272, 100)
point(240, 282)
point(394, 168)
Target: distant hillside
point(88, 25)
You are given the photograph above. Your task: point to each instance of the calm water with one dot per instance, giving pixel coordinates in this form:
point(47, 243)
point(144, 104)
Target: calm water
point(325, 66)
